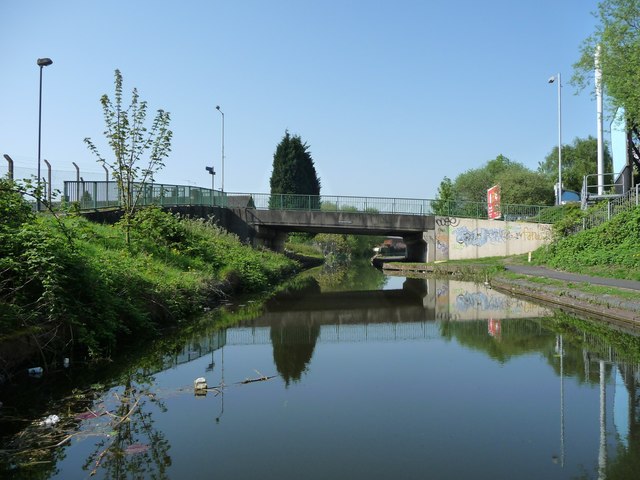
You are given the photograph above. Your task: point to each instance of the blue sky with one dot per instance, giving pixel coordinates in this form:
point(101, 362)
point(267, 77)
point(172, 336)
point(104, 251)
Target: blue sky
point(390, 96)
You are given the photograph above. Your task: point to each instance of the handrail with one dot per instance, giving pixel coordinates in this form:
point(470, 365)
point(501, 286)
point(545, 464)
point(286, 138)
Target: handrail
point(92, 195)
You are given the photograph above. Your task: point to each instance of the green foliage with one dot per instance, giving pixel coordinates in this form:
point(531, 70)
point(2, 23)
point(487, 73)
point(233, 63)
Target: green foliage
point(615, 243)
point(571, 218)
point(14, 210)
point(444, 197)
point(154, 225)
point(132, 144)
point(518, 185)
point(578, 159)
point(93, 289)
point(618, 35)
point(294, 171)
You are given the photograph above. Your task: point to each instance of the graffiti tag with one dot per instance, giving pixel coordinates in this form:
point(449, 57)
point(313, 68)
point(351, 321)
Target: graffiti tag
point(447, 221)
point(482, 236)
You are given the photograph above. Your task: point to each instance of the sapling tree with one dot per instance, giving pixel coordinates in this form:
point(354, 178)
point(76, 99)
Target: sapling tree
point(138, 152)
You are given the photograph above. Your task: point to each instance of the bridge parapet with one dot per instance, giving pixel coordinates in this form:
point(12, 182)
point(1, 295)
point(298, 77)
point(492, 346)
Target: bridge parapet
point(265, 219)
point(92, 195)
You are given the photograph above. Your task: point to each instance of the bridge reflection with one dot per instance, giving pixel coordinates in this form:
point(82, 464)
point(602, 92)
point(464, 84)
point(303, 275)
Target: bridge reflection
point(419, 300)
point(409, 313)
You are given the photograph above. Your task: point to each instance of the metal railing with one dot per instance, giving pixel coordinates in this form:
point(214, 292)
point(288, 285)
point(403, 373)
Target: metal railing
point(605, 210)
point(95, 195)
point(404, 206)
point(597, 186)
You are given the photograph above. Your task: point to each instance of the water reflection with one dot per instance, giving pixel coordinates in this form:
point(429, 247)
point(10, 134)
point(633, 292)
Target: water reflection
point(132, 447)
point(438, 366)
point(290, 354)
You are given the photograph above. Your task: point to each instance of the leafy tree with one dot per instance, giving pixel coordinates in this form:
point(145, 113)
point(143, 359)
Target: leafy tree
point(138, 151)
point(294, 172)
point(444, 197)
point(578, 159)
point(518, 184)
point(618, 37)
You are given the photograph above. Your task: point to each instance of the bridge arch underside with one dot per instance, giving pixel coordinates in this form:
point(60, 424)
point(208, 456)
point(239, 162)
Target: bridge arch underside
point(270, 228)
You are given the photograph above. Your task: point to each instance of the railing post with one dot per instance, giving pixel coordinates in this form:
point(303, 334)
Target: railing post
point(77, 181)
point(10, 162)
point(48, 181)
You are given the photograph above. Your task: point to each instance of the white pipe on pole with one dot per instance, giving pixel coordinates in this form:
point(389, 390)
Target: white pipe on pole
point(598, 80)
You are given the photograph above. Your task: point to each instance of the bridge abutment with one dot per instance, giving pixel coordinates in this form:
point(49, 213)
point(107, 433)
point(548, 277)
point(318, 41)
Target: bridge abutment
point(270, 238)
point(420, 246)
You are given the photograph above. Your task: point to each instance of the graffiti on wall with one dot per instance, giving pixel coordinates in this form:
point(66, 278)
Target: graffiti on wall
point(447, 221)
point(481, 236)
point(442, 235)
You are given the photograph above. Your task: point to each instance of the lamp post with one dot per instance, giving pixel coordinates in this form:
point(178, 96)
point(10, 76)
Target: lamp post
point(222, 113)
point(42, 62)
point(212, 172)
point(557, 79)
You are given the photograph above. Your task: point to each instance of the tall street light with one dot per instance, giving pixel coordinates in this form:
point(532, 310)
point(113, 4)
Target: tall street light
point(222, 113)
point(42, 62)
point(557, 79)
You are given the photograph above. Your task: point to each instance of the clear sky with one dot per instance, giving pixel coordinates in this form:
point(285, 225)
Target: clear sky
point(390, 96)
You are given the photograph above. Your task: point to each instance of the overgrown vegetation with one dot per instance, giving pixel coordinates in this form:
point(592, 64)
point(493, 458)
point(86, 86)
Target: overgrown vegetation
point(132, 144)
point(68, 284)
point(613, 247)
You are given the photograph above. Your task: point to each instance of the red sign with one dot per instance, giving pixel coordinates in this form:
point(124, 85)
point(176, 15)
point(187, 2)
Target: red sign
point(493, 202)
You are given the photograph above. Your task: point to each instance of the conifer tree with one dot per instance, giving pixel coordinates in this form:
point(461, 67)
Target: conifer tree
point(294, 173)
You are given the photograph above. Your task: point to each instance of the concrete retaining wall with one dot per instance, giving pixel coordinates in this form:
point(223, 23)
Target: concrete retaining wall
point(463, 238)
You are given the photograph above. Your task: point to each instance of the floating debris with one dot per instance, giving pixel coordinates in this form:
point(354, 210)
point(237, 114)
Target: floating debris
point(136, 448)
point(88, 415)
point(261, 378)
point(200, 383)
point(50, 421)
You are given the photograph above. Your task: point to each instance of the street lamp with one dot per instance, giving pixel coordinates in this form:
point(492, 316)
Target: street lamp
point(558, 80)
point(222, 113)
point(212, 172)
point(42, 62)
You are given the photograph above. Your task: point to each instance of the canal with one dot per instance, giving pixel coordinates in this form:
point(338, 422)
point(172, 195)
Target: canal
point(353, 375)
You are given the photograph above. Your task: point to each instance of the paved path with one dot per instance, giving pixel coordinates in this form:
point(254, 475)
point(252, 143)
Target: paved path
point(572, 277)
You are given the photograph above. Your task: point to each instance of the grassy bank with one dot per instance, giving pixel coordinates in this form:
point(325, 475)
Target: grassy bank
point(610, 250)
point(68, 284)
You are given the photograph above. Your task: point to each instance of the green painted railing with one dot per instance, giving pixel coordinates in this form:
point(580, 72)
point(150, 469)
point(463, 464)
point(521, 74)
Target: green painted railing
point(97, 195)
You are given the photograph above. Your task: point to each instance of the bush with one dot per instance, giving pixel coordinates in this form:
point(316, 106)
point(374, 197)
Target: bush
point(76, 280)
point(614, 244)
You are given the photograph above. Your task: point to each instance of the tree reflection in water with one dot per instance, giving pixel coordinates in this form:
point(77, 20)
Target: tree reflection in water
point(134, 448)
point(293, 345)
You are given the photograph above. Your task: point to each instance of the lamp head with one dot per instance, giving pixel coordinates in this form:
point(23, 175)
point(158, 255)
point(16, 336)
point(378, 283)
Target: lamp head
point(552, 79)
point(217, 107)
point(44, 62)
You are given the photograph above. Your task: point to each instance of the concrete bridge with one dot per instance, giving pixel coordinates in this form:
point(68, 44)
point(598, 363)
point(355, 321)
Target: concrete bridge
point(432, 230)
point(271, 227)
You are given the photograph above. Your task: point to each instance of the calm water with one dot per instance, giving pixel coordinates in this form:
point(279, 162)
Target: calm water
point(374, 377)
